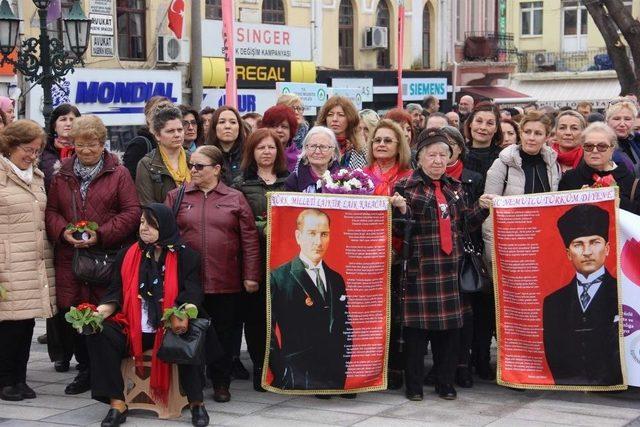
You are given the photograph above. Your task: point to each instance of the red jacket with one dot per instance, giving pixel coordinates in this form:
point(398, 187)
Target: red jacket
point(221, 227)
point(111, 202)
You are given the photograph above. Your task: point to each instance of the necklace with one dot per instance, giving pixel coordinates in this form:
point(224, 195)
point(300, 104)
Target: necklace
point(268, 179)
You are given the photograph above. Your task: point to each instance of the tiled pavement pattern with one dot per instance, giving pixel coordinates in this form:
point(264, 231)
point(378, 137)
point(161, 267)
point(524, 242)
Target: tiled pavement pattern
point(484, 405)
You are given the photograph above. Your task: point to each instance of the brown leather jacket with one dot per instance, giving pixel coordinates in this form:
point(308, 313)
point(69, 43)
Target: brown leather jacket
point(220, 226)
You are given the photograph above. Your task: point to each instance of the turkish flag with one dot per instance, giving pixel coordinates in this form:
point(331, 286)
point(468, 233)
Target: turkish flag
point(176, 16)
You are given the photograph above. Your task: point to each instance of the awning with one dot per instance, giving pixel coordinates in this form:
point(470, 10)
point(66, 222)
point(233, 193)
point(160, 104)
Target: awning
point(558, 93)
point(499, 94)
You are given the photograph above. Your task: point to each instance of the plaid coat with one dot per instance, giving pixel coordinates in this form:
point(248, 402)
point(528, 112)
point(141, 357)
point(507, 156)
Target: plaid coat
point(432, 299)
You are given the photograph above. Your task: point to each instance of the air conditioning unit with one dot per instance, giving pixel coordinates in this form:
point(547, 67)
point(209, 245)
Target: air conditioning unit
point(172, 50)
point(545, 59)
point(376, 38)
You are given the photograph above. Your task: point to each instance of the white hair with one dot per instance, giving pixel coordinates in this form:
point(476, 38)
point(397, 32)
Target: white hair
point(320, 130)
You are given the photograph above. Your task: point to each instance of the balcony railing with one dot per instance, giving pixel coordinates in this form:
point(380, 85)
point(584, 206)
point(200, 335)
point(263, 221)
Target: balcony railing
point(489, 46)
point(585, 60)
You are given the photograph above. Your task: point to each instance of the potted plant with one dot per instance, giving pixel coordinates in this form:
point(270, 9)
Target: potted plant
point(185, 311)
point(85, 319)
point(81, 229)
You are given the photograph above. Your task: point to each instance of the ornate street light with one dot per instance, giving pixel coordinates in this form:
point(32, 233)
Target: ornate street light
point(53, 62)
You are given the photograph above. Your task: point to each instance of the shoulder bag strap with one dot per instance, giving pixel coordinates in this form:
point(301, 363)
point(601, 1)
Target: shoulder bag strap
point(634, 187)
point(178, 201)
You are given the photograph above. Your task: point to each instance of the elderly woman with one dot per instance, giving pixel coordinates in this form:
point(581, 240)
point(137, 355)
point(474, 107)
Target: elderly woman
point(217, 221)
point(27, 282)
point(8, 108)
point(193, 128)
point(388, 156)
point(165, 167)
point(432, 303)
point(320, 153)
point(340, 115)
point(510, 132)
point(295, 103)
point(569, 126)
point(59, 145)
point(158, 257)
point(483, 134)
point(598, 169)
point(91, 186)
point(282, 120)
point(144, 141)
point(228, 134)
point(263, 170)
point(368, 121)
point(620, 117)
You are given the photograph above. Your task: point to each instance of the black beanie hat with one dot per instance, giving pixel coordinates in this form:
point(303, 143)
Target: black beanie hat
point(583, 220)
point(431, 136)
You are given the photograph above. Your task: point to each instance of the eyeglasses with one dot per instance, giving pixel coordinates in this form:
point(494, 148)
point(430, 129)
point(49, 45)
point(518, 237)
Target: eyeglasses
point(299, 109)
point(187, 123)
point(322, 148)
point(197, 166)
point(30, 151)
point(600, 147)
point(385, 141)
point(86, 147)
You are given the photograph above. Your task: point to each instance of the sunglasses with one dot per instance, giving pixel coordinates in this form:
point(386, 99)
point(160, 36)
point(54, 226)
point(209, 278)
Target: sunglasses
point(589, 148)
point(197, 166)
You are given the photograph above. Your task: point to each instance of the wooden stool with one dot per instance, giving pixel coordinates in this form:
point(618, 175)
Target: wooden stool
point(136, 389)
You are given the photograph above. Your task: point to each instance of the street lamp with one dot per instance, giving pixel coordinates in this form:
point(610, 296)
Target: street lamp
point(53, 62)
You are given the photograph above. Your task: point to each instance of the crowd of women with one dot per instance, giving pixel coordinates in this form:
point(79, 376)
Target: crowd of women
point(185, 207)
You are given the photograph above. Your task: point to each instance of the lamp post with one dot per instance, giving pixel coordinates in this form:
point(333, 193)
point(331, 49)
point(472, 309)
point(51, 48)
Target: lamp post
point(53, 62)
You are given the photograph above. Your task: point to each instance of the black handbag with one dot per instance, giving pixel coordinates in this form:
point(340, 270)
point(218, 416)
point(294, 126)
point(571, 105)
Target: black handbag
point(188, 348)
point(473, 276)
point(94, 266)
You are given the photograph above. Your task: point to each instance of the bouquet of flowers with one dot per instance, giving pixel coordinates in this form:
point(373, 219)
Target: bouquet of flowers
point(3, 293)
point(84, 318)
point(80, 229)
point(182, 312)
point(346, 181)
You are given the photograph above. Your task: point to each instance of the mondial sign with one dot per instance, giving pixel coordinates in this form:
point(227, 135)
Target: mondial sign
point(116, 96)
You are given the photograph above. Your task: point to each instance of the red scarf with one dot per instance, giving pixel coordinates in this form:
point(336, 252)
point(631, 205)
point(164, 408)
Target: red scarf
point(160, 371)
point(64, 146)
point(602, 181)
point(570, 159)
point(455, 170)
point(343, 143)
point(385, 181)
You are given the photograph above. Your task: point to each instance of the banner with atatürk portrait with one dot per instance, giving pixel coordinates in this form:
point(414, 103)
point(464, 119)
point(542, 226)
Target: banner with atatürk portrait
point(558, 301)
point(328, 269)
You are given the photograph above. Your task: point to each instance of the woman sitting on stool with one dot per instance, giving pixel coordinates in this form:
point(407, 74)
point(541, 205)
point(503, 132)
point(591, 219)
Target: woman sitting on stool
point(157, 272)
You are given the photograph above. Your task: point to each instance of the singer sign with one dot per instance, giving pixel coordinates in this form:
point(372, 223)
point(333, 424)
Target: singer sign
point(258, 41)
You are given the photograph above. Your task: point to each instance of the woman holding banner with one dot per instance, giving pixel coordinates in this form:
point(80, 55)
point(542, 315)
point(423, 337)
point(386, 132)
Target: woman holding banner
point(341, 116)
point(599, 170)
point(320, 153)
point(432, 304)
point(264, 169)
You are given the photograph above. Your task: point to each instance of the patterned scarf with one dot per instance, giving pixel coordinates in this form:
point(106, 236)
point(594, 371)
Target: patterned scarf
point(182, 174)
point(64, 146)
point(86, 174)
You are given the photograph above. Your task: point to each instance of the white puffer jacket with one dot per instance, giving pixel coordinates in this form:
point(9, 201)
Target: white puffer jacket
point(26, 256)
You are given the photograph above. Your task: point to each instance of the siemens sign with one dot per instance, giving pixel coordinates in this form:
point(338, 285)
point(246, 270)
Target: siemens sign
point(116, 96)
point(121, 92)
point(418, 89)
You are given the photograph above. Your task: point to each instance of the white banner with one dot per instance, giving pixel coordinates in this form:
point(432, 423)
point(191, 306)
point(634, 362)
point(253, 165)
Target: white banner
point(630, 284)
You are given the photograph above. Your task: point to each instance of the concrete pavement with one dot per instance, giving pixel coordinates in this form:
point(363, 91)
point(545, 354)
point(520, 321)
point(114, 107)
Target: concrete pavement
point(485, 404)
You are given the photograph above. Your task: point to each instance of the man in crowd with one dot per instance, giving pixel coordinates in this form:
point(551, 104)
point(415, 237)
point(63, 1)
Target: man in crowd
point(454, 119)
point(416, 116)
point(581, 319)
point(311, 331)
point(585, 108)
point(431, 104)
point(465, 106)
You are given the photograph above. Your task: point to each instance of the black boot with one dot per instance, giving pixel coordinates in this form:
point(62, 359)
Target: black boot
point(11, 393)
point(80, 384)
point(26, 391)
point(199, 416)
point(114, 418)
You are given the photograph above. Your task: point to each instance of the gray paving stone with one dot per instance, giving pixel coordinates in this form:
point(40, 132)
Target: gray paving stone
point(234, 407)
point(265, 421)
point(57, 389)
point(55, 402)
point(565, 418)
point(19, 412)
point(313, 415)
point(82, 416)
point(390, 422)
point(578, 408)
point(354, 406)
point(457, 412)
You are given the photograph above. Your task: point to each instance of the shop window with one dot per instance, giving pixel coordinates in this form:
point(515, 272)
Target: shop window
point(531, 18)
point(383, 19)
point(426, 37)
point(345, 34)
point(131, 20)
point(213, 9)
point(273, 12)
